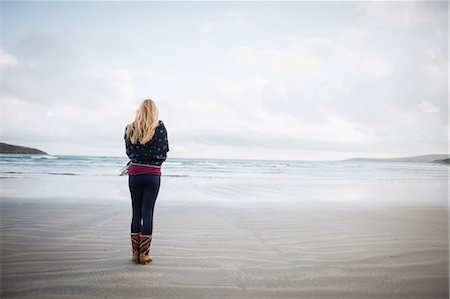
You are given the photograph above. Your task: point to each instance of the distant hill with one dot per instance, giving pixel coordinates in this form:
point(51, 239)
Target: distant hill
point(438, 158)
point(442, 161)
point(15, 149)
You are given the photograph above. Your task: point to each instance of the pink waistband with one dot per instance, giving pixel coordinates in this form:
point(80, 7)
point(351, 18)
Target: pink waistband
point(143, 169)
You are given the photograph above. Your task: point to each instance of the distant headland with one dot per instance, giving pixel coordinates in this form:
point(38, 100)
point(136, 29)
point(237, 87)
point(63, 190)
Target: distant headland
point(442, 161)
point(439, 158)
point(15, 149)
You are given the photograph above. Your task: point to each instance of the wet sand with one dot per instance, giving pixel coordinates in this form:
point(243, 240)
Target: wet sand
point(70, 250)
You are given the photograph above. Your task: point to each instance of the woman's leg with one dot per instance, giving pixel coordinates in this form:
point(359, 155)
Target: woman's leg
point(150, 193)
point(136, 185)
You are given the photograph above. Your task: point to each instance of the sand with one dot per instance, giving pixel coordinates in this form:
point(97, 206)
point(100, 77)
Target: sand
point(69, 250)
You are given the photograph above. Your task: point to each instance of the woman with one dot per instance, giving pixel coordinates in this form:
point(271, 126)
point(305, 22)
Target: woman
point(146, 145)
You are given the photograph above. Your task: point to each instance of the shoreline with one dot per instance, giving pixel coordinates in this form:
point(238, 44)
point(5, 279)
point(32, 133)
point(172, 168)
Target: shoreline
point(76, 250)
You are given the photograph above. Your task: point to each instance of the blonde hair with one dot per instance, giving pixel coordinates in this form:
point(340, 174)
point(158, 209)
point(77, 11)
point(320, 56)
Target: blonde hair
point(143, 127)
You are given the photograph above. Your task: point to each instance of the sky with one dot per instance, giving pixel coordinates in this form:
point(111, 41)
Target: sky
point(250, 80)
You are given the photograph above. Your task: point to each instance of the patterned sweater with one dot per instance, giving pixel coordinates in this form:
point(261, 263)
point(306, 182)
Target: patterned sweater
point(153, 152)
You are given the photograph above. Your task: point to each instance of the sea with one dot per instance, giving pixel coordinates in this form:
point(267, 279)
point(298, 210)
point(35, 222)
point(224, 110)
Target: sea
point(97, 179)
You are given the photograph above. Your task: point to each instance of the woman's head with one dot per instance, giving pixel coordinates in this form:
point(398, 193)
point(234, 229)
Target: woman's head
point(143, 127)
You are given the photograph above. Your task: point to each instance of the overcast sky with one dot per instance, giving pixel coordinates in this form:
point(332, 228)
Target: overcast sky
point(270, 80)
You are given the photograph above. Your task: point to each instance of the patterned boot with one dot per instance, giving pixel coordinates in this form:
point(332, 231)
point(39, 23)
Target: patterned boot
point(144, 249)
point(135, 246)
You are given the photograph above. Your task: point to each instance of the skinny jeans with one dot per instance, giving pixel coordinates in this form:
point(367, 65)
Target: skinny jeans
point(144, 190)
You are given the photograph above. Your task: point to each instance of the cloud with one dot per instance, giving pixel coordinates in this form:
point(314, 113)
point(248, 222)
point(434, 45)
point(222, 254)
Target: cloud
point(371, 95)
point(69, 124)
point(428, 108)
point(230, 22)
point(207, 27)
point(403, 14)
point(313, 76)
point(51, 72)
point(7, 60)
point(378, 68)
point(374, 86)
point(72, 106)
point(123, 80)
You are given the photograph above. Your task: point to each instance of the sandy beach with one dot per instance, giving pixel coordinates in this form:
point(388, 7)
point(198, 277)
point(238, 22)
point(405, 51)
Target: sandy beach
point(70, 250)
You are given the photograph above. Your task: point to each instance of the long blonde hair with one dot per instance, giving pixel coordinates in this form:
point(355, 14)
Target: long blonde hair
point(143, 127)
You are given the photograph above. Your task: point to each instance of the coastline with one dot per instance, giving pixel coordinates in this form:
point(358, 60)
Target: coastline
point(80, 250)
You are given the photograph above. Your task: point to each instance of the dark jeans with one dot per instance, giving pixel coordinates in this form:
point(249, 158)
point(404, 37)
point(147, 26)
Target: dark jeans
point(144, 191)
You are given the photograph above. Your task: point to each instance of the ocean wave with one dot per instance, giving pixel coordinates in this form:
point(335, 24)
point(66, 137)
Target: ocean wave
point(89, 166)
point(43, 157)
point(12, 172)
point(61, 173)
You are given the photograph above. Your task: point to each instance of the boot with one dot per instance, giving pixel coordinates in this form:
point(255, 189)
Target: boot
point(144, 248)
point(135, 247)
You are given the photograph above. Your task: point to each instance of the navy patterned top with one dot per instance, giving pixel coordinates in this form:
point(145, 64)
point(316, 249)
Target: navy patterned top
point(153, 152)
